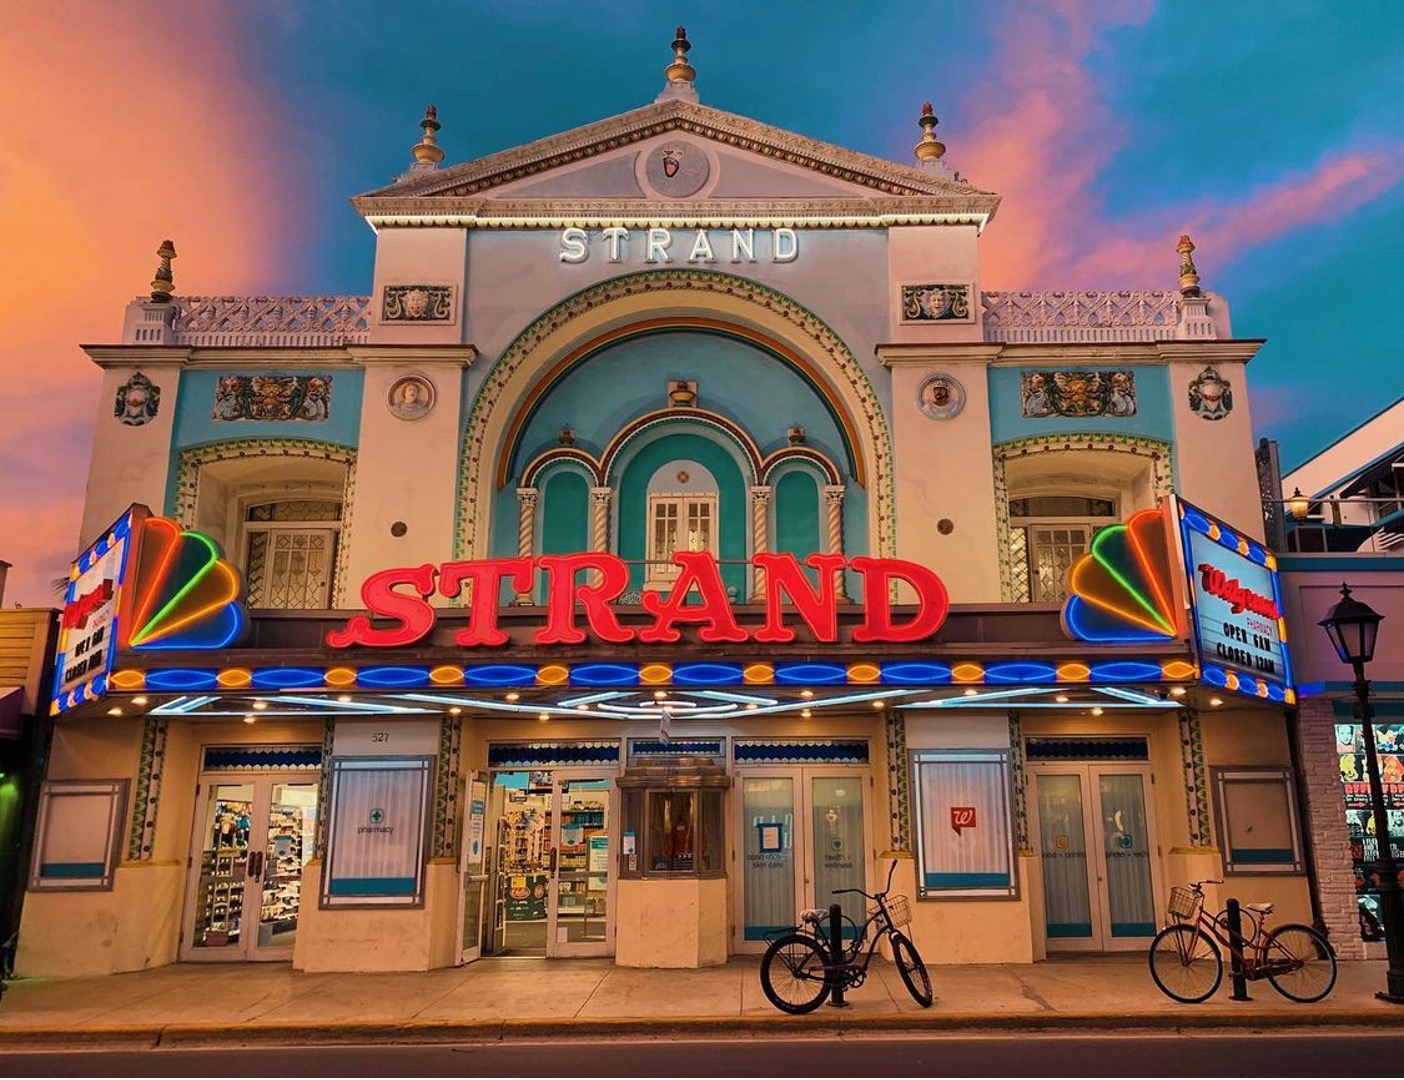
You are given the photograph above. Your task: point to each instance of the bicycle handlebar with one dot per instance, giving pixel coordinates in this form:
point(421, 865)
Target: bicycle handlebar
point(872, 896)
point(1198, 886)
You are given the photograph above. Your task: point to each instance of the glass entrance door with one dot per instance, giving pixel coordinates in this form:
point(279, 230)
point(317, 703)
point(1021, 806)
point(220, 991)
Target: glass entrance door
point(475, 863)
point(803, 834)
point(253, 836)
point(1096, 848)
point(553, 885)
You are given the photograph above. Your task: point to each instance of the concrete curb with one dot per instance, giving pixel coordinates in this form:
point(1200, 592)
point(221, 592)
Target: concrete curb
point(137, 1036)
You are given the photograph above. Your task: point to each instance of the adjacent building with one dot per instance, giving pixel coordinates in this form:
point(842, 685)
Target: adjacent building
point(676, 533)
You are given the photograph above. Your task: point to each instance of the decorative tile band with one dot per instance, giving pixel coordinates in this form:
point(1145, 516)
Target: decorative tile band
point(1017, 761)
point(540, 755)
point(908, 673)
point(898, 781)
point(146, 797)
point(1055, 748)
point(446, 787)
point(221, 758)
point(1201, 831)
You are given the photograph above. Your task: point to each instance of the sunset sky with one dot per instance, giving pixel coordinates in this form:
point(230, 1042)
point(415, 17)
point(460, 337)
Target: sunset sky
point(1273, 132)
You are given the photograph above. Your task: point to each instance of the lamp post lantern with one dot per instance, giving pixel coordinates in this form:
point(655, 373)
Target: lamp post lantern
point(1352, 627)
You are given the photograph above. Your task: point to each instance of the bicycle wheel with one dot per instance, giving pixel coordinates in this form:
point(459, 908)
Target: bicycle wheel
point(1185, 964)
point(1309, 961)
point(912, 970)
point(792, 973)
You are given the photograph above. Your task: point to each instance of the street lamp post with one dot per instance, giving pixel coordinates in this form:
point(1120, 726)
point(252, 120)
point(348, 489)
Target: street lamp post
point(1352, 626)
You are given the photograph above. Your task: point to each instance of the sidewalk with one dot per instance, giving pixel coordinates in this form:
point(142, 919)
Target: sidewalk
point(199, 1004)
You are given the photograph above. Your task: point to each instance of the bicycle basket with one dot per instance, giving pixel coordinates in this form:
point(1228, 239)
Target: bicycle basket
point(1184, 902)
point(898, 910)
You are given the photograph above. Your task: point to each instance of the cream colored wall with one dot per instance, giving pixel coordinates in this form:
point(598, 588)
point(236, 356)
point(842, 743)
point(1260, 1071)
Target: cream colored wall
point(420, 257)
point(1214, 458)
point(379, 939)
point(933, 254)
point(128, 464)
point(671, 923)
point(944, 470)
point(406, 471)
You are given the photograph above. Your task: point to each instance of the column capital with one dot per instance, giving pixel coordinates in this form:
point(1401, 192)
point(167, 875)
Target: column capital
point(528, 495)
point(601, 495)
point(761, 492)
point(834, 492)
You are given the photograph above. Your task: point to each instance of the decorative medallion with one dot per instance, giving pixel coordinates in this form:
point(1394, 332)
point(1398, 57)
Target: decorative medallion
point(1078, 394)
point(272, 397)
point(138, 401)
point(941, 396)
point(1210, 395)
point(417, 303)
point(676, 169)
point(410, 397)
point(1122, 589)
point(936, 302)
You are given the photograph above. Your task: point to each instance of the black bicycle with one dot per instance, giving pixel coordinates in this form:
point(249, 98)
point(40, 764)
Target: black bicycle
point(799, 969)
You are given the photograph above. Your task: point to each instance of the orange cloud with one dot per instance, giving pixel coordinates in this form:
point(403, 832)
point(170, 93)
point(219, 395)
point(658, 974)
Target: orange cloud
point(1042, 150)
point(124, 127)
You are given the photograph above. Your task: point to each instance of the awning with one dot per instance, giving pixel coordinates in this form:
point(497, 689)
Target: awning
point(11, 712)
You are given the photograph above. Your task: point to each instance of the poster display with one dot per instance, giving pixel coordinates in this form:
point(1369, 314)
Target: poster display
point(376, 832)
point(1360, 819)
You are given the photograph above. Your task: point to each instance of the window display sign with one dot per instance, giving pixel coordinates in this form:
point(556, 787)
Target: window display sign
point(1236, 608)
point(1360, 819)
point(964, 844)
point(376, 832)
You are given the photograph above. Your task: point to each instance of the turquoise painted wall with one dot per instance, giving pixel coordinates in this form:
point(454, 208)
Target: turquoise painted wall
point(564, 515)
point(732, 502)
point(194, 425)
point(796, 513)
point(1152, 419)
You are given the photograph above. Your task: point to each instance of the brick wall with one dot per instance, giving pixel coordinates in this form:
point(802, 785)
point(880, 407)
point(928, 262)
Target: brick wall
point(1326, 823)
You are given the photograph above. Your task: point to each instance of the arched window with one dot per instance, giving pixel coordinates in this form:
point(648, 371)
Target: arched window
point(682, 516)
point(290, 552)
point(1047, 534)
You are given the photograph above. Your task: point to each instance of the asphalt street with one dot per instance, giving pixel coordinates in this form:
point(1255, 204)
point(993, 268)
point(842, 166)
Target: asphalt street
point(1198, 1053)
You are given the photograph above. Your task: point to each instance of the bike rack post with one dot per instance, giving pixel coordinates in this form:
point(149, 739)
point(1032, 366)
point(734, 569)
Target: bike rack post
point(1235, 928)
point(836, 951)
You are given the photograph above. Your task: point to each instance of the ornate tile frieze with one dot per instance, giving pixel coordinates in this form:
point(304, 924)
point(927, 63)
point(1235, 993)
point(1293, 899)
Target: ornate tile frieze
point(447, 785)
point(1201, 824)
point(899, 802)
point(151, 759)
point(290, 321)
point(274, 398)
point(418, 304)
point(937, 302)
point(1077, 394)
point(1017, 762)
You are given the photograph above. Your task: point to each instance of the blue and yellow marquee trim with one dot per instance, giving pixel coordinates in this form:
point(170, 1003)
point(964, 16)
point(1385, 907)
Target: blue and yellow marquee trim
point(797, 673)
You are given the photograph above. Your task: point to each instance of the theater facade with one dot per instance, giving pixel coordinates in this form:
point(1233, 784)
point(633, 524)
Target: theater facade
point(676, 533)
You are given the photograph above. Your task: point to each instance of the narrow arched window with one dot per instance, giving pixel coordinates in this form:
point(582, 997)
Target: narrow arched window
point(291, 550)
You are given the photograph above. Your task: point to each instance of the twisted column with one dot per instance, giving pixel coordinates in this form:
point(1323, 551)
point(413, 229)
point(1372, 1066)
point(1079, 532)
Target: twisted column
point(833, 538)
point(760, 537)
point(526, 532)
point(600, 499)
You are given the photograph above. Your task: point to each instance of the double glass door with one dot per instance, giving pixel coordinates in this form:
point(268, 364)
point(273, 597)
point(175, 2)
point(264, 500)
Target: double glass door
point(253, 836)
point(1097, 849)
point(803, 833)
point(553, 884)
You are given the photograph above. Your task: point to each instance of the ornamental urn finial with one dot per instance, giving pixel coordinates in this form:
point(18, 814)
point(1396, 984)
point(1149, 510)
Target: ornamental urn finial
point(163, 283)
point(426, 151)
point(1189, 276)
point(680, 70)
point(930, 148)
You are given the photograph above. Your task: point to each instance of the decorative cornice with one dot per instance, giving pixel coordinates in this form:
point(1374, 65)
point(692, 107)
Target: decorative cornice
point(271, 320)
point(420, 353)
point(676, 115)
point(839, 212)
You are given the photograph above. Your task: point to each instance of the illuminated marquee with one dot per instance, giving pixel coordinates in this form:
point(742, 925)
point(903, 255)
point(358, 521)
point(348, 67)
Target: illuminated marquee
point(697, 598)
point(1123, 589)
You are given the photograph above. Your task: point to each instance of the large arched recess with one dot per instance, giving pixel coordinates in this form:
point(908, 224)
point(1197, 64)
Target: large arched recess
point(648, 302)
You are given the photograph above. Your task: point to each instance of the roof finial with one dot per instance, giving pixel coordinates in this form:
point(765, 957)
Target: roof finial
point(163, 283)
point(930, 148)
point(681, 75)
point(1189, 276)
point(427, 153)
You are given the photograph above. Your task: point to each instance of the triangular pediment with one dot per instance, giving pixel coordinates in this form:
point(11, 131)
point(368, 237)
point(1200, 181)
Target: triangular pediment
point(677, 156)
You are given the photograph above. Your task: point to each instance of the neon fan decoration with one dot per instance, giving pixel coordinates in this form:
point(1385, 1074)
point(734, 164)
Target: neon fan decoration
point(187, 594)
point(1122, 590)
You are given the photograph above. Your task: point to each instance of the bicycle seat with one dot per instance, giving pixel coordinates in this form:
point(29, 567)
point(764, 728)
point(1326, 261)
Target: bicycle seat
point(1261, 909)
point(813, 915)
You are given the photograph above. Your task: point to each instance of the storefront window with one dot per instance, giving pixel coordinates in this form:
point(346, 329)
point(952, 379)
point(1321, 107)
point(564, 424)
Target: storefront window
point(1364, 846)
point(964, 842)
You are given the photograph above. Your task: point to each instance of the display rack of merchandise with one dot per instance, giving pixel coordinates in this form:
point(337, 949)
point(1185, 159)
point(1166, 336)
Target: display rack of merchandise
point(282, 875)
point(524, 837)
point(219, 901)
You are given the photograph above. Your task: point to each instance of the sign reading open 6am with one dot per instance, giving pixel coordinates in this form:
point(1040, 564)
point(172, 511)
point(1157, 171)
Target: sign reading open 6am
point(1237, 608)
